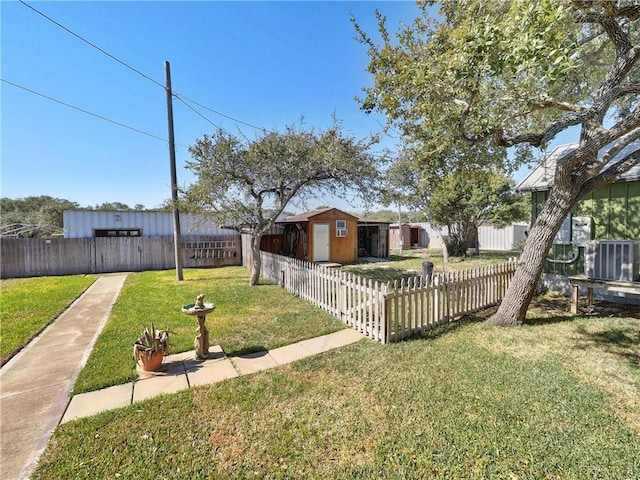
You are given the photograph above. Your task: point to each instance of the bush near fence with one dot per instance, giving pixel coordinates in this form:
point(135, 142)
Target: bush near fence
point(390, 312)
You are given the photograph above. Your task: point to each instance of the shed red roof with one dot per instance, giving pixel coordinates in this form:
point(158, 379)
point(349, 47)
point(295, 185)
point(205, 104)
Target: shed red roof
point(305, 217)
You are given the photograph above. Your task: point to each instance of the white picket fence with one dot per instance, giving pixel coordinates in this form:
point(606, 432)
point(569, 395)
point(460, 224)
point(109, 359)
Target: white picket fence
point(390, 312)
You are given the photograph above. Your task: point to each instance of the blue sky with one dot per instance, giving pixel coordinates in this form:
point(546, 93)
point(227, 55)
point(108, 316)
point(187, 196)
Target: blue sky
point(264, 63)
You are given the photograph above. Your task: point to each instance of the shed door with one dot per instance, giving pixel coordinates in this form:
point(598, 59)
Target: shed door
point(320, 242)
point(383, 250)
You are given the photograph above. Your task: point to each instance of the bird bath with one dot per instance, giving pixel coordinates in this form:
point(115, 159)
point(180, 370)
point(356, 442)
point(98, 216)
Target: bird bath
point(201, 309)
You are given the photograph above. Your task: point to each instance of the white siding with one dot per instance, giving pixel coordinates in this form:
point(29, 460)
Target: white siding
point(502, 239)
point(81, 224)
point(430, 236)
point(489, 237)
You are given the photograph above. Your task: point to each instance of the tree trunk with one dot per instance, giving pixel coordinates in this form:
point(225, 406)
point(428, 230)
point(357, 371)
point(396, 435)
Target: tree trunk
point(523, 286)
point(256, 265)
point(445, 249)
point(477, 236)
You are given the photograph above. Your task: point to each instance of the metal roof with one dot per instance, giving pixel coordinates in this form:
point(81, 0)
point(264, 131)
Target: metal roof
point(541, 178)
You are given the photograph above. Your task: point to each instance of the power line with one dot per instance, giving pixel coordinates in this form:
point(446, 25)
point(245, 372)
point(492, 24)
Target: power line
point(83, 110)
point(197, 112)
point(182, 98)
point(91, 44)
point(113, 57)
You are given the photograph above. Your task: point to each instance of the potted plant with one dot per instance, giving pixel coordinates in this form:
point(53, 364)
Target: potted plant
point(150, 348)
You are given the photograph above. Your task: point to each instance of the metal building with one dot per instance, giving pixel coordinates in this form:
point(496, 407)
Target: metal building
point(92, 223)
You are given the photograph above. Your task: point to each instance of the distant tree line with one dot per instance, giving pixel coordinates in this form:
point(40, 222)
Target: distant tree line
point(41, 216)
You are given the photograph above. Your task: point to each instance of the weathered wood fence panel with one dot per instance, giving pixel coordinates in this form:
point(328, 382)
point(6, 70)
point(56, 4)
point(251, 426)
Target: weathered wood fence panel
point(416, 306)
point(33, 257)
point(390, 312)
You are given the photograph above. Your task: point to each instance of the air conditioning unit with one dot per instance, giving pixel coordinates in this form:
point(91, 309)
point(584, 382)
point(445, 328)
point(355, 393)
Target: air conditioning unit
point(617, 260)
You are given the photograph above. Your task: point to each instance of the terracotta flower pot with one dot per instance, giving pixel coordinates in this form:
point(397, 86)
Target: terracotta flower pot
point(151, 363)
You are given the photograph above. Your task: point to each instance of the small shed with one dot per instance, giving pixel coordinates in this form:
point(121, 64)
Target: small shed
point(400, 236)
point(373, 238)
point(324, 235)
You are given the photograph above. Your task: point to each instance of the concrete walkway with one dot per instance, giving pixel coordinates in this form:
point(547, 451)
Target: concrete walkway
point(35, 384)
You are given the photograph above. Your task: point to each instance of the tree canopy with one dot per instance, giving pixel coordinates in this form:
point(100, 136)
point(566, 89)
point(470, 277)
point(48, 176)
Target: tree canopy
point(467, 82)
point(248, 183)
point(42, 215)
point(35, 216)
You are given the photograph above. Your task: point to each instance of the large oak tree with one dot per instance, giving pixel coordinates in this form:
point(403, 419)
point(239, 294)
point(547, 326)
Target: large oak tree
point(491, 74)
point(248, 183)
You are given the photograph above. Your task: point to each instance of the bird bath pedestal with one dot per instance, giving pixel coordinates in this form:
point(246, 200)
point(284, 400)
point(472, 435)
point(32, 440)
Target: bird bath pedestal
point(201, 309)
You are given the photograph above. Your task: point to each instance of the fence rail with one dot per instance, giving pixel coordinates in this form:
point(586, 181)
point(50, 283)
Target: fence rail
point(390, 312)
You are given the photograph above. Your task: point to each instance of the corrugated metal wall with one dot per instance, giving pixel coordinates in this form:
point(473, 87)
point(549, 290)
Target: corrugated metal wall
point(81, 224)
point(490, 237)
point(500, 239)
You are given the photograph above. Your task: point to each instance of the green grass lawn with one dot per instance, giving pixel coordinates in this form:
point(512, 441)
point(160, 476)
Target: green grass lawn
point(246, 319)
point(30, 304)
point(408, 263)
point(558, 397)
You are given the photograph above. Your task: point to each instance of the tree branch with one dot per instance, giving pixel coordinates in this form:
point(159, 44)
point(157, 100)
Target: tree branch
point(593, 146)
point(537, 139)
point(547, 102)
point(608, 22)
point(611, 174)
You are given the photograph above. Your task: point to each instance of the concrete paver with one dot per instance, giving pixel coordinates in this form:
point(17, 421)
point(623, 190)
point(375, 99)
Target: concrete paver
point(211, 372)
point(254, 362)
point(152, 386)
point(289, 353)
point(90, 403)
point(337, 339)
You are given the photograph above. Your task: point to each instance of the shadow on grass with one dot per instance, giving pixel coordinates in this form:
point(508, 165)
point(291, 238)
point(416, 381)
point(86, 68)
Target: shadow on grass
point(247, 351)
point(550, 320)
point(623, 342)
point(446, 328)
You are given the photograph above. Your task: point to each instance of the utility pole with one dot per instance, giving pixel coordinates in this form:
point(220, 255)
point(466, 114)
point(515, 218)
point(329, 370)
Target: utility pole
point(174, 177)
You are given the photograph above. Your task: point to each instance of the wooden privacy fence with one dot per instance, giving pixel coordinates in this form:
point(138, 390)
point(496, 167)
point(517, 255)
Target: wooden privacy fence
point(390, 312)
point(34, 257)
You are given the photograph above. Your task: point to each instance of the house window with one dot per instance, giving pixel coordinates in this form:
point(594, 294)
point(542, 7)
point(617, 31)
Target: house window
point(341, 228)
